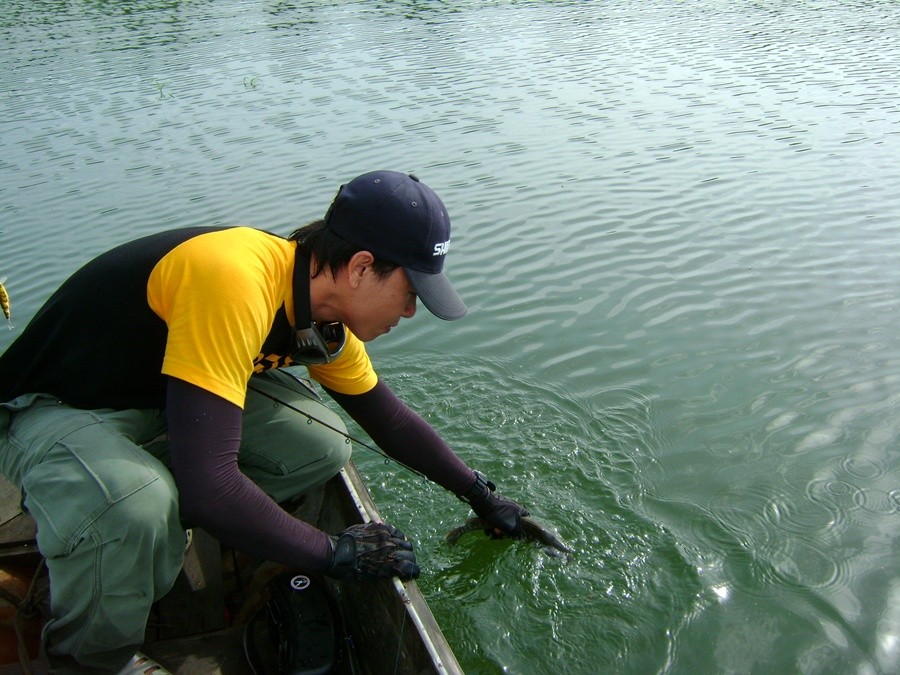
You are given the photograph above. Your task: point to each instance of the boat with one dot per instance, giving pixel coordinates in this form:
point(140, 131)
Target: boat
point(222, 601)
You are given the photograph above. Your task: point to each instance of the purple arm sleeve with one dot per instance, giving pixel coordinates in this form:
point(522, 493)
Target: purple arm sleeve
point(204, 437)
point(405, 436)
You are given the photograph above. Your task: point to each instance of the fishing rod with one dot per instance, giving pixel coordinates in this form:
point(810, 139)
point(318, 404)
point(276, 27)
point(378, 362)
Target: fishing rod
point(349, 437)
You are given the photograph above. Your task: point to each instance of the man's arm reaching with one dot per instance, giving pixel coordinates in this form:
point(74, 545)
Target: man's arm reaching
point(406, 437)
point(204, 438)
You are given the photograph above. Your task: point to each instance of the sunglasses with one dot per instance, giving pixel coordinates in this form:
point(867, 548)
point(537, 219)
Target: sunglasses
point(319, 344)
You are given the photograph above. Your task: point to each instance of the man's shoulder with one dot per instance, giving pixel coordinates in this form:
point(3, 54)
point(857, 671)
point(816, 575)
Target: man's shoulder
point(212, 235)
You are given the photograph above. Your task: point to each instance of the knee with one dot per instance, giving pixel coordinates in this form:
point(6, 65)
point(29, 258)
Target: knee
point(152, 510)
point(320, 457)
point(338, 454)
point(328, 445)
point(147, 522)
point(291, 469)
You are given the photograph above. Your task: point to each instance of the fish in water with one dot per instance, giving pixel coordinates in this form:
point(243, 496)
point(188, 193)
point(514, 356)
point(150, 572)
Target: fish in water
point(4, 302)
point(531, 529)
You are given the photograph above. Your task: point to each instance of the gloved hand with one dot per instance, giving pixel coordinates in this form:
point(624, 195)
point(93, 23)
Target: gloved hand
point(504, 514)
point(372, 551)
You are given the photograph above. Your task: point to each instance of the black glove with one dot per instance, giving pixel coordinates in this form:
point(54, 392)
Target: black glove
point(503, 514)
point(372, 551)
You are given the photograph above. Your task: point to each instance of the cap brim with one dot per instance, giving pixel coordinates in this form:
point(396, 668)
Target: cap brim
point(437, 294)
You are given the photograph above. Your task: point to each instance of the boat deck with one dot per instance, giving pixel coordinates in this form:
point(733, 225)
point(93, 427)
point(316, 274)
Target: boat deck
point(198, 628)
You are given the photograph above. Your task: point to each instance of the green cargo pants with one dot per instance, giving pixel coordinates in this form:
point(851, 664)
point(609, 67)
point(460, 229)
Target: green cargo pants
point(106, 506)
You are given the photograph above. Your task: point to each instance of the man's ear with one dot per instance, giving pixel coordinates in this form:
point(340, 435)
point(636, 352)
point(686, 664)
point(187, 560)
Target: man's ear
point(358, 266)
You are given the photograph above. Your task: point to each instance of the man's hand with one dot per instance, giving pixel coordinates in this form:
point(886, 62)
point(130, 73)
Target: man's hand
point(372, 551)
point(504, 514)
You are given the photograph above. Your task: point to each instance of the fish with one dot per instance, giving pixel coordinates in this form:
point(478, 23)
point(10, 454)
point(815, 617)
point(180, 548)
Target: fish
point(531, 529)
point(4, 302)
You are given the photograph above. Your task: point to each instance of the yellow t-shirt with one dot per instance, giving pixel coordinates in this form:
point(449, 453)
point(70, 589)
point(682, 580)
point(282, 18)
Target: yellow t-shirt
point(220, 294)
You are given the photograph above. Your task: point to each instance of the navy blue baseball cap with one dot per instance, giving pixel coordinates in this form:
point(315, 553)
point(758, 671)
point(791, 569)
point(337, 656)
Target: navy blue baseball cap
point(399, 219)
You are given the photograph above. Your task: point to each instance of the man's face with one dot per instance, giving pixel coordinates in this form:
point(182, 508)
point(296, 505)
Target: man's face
point(379, 303)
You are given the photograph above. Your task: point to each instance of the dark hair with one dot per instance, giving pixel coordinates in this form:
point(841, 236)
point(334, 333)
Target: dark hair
point(330, 251)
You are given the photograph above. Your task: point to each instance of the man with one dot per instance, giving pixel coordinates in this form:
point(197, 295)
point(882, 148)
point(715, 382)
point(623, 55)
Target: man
point(139, 401)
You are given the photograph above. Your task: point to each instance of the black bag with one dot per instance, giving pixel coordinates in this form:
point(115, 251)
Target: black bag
point(302, 636)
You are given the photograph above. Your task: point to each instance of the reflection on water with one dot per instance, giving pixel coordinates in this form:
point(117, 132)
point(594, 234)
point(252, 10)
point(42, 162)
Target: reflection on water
point(675, 224)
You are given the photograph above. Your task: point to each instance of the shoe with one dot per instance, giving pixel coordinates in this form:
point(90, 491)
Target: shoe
point(143, 665)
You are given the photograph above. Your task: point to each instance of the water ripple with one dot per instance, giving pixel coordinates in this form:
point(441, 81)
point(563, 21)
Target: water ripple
point(680, 257)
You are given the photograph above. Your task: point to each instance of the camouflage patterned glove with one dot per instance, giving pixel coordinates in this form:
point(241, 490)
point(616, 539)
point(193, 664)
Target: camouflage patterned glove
point(372, 551)
point(504, 514)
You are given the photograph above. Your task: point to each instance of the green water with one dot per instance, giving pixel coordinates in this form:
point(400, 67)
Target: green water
point(676, 225)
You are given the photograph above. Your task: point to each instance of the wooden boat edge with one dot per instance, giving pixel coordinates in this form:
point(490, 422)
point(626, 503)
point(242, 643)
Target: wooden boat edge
point(407, 593)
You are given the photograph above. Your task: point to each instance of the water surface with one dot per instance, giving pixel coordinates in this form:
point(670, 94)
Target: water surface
point(677, 227)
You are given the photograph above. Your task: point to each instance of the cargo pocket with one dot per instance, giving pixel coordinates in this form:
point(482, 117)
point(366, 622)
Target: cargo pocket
point(79, 478)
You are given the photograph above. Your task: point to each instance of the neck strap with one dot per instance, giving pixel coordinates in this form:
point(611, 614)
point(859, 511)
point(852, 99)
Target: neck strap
point(302, 311)
point(313, 344)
